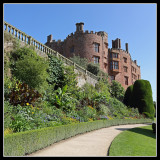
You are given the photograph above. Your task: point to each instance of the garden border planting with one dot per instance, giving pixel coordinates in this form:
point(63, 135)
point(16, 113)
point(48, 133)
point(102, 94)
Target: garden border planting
point(23, 143)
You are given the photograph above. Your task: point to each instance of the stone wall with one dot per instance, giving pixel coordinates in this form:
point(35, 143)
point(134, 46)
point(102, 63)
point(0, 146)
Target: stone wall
point(42, 50)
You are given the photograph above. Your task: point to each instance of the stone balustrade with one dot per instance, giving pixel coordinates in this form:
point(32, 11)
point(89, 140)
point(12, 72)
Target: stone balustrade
point(39, 46)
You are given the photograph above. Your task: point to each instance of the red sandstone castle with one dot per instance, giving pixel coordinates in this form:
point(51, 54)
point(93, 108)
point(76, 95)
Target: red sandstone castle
point(94, 46)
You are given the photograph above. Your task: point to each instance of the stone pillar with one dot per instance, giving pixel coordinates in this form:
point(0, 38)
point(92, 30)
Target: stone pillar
point(19, 35)
point(7, 27)
point(25, 40)
point(29, 40)
point(10, 28)
point(22, 37)
point(16, 33)
point(13, 32)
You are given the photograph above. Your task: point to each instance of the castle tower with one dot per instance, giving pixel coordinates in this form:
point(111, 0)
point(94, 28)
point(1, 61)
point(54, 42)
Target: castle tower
point(79, 27)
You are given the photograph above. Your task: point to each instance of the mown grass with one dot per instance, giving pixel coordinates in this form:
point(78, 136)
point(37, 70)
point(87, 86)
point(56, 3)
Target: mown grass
point(139, 141)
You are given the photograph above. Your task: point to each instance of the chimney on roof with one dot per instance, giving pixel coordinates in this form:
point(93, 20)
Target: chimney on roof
point(116, 43)
point(126, 47)
point(49, 38)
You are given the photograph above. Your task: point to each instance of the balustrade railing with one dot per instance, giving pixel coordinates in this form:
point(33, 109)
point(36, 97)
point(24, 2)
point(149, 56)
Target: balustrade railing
point(39, 46)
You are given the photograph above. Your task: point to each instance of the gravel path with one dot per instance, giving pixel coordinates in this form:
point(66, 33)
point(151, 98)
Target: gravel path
point(91, 144)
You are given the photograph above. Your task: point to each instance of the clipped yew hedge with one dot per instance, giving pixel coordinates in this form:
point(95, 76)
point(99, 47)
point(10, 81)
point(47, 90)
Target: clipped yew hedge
point(23, 143)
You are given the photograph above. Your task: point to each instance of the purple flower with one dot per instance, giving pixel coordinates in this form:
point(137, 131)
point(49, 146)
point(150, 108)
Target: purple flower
point(106, 117)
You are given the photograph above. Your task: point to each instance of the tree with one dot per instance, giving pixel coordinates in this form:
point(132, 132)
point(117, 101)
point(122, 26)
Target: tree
point(154, 103)
point(117, 90)
point(93, 68)
point(128, 95)
point(30, 68)
point(142, 98)
point(56, 72)
point(80, 61)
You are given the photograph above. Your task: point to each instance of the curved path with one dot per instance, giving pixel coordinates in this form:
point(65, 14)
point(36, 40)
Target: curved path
point(94, 143)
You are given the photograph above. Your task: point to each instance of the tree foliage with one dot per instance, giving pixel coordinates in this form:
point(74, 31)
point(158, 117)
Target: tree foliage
point(141, 98)
point(56, 72)
point(83, 62)
point(30, 68)
point(128, 95)
point(117, 90)
point(93, 68)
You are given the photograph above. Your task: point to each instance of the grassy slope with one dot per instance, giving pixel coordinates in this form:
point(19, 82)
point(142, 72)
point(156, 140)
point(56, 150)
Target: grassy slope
point(139, 141)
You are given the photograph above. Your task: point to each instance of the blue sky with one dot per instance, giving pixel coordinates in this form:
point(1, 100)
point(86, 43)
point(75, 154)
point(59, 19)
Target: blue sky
point(135, 24)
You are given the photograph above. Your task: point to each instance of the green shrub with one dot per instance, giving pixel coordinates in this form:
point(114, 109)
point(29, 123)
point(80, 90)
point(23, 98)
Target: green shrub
point(63, 101)
point(142, 97)
point(20, 54)
point(118, 109)
point(32, 71)
point(8, 108)
point(104, 110)
point(79, 60)
point(71, 80)
point(102, 86)
point(93, 68)
point(56, 72)
point(20, 144)
point(10, 38)
point(86, 94)
point(117, 90)
point(128, 96)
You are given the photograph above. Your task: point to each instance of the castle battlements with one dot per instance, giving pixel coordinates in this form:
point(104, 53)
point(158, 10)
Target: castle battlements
point(93, 46)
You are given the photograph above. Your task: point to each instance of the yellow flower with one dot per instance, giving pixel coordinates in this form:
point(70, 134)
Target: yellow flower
point(27, 104)
point(31, 106)
point(91, 107)
point(8, 86)
point(7, 131)
point(90, 119)
point(32, 112)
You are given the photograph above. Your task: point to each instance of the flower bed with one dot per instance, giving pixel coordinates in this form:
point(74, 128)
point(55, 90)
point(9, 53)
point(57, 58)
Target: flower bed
point(22, 143)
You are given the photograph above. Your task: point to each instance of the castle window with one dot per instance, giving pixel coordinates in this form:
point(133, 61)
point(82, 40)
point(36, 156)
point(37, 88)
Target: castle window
point(112, 78)
point(125, 60)
point(132, 68)
point(125, 68)
point(105, 65)
point(114, 55)
point(72, 49)
point(96, 60)
point(96, 47)
point(114, 65)
point(126, 80)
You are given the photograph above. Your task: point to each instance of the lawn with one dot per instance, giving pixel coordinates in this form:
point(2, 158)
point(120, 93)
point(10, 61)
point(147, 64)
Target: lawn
point(139, 141)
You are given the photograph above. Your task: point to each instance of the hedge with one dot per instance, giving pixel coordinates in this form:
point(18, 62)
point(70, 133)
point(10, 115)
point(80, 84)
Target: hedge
point(23, 143)
point(128, 95)
point(142, 97)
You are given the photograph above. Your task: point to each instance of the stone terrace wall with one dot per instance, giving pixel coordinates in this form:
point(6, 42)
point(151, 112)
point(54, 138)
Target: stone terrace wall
point(41, 49)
